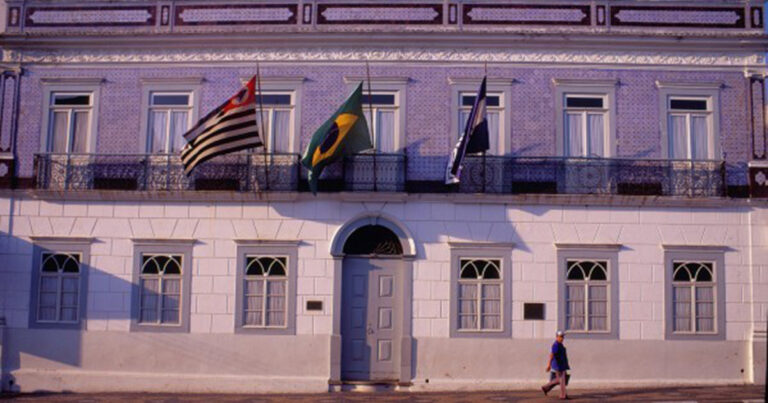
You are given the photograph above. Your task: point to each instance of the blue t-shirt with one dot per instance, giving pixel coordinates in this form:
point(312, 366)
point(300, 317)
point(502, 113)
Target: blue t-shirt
point(560, 359)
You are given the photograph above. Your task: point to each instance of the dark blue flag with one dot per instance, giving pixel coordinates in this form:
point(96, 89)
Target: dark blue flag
point(474, 140)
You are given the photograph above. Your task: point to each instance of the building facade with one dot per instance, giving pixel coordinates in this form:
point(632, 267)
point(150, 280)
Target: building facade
point(622, 200)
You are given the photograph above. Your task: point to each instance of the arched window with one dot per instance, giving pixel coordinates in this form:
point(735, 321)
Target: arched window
point(265, 291)
point(586, 296)
point(160, 289)
point(373, 240)
point(693, 295)
point(59, 288)
point(480, 295)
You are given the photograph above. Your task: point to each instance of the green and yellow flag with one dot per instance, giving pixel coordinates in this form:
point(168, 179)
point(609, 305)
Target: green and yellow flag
point(346, 132)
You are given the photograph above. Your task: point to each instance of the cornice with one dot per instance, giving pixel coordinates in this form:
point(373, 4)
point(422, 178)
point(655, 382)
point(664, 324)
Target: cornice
point(493, 82)
point(574, 82)
point(163, 241)
point(397, 55)
point(73, 81)
point(695, 248)
point(197, 80)
point(613, 247)
point(481, 244)
point(377, 80)
point(288, 81)
point(267, 242)
point(63, 239)
point(689, 86)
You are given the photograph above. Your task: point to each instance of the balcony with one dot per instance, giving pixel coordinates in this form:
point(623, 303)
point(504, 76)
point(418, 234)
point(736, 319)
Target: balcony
point(237, 172)
point(381, 173)
point(598, 176)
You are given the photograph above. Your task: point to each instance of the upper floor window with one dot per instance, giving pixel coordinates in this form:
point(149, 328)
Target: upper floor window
point(586, 125)
point(693, 295)
point(170, 116)
point(277, 111)
point(69, 121)
point(689, 120)
point(494, 112)
point(690, 128)
point(385, 122)
point(585, 118)
point(59, 288)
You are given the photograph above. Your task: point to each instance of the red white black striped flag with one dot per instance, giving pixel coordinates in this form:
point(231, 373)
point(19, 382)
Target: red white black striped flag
point(230, 127)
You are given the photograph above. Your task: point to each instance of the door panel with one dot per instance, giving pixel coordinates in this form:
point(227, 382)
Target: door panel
point(370, 322)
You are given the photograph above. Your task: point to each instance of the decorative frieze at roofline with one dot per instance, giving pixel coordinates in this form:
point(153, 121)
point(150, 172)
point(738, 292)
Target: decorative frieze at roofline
point(347, 55)
point(149, 16)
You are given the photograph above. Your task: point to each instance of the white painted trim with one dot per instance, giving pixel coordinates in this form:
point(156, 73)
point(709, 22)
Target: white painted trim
point(89, 85)
point(689, 86)
point(400, 87)
point(278, 80)
point(493, 86)
point(149, 85)
point(267, 242)
point(602, 88)
point(481, 244)
point(62, 239)
point(695, 248)
point(711, 93)
point(163, 241)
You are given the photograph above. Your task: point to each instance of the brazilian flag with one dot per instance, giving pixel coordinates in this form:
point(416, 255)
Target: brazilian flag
point(346, 132)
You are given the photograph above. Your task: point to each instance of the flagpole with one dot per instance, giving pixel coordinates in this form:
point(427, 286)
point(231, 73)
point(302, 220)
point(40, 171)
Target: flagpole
point(485, 68)
point(373, 125)
point(261, 123)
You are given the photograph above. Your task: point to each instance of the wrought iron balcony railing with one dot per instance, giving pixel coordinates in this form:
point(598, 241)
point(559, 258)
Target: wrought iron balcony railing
point(165, 172)
point(235, 172)
point(607, 176)
point(384, 173)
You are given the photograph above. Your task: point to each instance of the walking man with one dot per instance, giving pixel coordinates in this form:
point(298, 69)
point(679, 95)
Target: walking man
point(558, 363)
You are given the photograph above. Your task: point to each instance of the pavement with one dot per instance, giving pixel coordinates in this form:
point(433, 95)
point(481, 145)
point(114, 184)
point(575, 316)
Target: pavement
point(749, 394)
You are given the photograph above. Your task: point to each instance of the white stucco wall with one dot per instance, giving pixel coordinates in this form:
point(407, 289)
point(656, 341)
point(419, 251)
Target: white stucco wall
point(533, 228)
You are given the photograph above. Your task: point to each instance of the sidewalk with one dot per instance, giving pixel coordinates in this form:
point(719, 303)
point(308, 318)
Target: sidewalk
point(670, 394)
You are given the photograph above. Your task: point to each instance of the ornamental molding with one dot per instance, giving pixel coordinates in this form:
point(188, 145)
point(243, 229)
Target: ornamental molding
point(347, 55)
point(196, 80)
point(73, 81)
point(268, 242)
point(696, 248)
point(287, 81)
point(480, 244)
point(63, 239)
point(163, 241)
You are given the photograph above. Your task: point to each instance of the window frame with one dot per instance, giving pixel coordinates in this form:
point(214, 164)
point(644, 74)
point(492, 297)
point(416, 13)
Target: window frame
point(150, 86)
point(267, 248)
point(708, 254)
point(143, 247)
point(482, 250)
point(56, 245)
point(696, 91)
point(605, 89)
point(500, 87)
point(51, 86)
point(285, 85)
point(589, 252)
point(389, 85)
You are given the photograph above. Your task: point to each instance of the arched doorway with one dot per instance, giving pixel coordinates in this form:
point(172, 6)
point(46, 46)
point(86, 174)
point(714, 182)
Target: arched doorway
point(374, 262)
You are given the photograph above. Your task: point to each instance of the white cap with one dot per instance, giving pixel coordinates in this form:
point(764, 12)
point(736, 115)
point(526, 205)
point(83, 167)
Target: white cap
point(559, 333)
